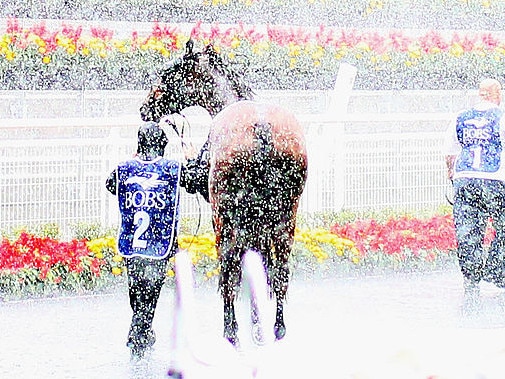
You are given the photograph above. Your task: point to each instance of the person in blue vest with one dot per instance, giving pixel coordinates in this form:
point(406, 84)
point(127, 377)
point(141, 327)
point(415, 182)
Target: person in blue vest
point(148, 190)
point(476, 165)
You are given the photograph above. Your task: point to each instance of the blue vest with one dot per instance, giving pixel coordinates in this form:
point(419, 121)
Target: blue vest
point(478, 132)
point(148, 195)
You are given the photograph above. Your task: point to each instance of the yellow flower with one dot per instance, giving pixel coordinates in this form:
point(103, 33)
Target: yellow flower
point(46, 59)
point(63, 41)
point(355, 251)
point(6, 40)
point(500, 50)
point(99, 255)
point(386, 57)
point(415, 54)
point(347, 242)
point(180, 41)
point(235, 42)
point(10, 55)
point(318, 53)
point(96, 44)
point(294, 50)
point(363, 46)
point(456, 50)
point(292, 62)
point(36, 39)
point(259, 48)
point(116, 271)
point(171, 273)
point(117, 258)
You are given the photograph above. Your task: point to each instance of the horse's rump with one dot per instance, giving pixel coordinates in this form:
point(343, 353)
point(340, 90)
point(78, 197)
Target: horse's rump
point(258, 171)
point(234, 129)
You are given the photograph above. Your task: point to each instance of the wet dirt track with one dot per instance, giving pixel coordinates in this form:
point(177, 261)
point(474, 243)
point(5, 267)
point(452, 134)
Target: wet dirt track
point(392, 326)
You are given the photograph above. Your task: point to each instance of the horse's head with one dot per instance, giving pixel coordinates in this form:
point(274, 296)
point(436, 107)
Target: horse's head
point(196, 79)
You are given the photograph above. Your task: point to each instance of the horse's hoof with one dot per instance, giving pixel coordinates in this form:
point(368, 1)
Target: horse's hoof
point(280, 332)
point(257, 334)
point(138, 353)
point(233, 340)
point(175, 374)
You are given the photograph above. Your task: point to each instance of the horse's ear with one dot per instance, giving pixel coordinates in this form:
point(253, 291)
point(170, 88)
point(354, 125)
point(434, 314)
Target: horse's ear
point(213, 55)
point(189, 48)
point(209, 49)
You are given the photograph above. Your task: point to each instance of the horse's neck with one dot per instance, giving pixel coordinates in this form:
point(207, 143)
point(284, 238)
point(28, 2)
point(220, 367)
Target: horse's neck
point(213, 111)
point(228, 91)
point(232, 99)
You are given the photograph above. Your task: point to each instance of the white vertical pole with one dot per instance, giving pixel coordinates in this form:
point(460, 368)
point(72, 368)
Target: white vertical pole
point(327, 140)
point(341, 93)
point(338, 105)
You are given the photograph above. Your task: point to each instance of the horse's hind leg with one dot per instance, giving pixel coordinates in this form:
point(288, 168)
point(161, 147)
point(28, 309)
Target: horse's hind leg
point(283, 243)
point(229, 281)
point(230, 322)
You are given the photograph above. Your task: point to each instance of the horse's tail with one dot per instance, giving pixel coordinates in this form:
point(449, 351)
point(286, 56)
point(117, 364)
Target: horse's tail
point(257, 293)
point(263, 138)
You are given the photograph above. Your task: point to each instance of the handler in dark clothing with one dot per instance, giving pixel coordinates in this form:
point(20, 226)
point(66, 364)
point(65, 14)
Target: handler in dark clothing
point(148, 188)
point(475, 162)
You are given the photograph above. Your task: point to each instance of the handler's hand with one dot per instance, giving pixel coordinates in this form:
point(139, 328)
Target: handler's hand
point(450, 173)
point(189, 151)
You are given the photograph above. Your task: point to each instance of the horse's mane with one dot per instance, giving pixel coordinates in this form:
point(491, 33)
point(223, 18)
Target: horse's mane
point(225, 68)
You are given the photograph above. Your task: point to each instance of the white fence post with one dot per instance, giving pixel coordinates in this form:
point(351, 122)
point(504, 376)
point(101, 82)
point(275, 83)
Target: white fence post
point(326, 147)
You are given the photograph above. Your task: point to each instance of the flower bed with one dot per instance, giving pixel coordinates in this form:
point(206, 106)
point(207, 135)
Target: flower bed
point(33, 265)
point(276, 57)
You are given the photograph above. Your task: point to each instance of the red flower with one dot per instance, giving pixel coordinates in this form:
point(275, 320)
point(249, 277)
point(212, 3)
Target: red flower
point(44, 254)
point(13, 26)
point(395, 236)
point(101, 33)
point(433, 40)
point(70, 32)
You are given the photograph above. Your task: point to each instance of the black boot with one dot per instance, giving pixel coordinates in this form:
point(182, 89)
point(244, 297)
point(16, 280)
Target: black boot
point(140, 341)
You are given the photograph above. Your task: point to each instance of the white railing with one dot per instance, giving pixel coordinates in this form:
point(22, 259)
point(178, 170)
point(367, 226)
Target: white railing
point(53, 170)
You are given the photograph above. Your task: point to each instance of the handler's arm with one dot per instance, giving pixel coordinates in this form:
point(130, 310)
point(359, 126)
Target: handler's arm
point(111, 183)
point(195, 173)
point(449, 162)
point(451, 148)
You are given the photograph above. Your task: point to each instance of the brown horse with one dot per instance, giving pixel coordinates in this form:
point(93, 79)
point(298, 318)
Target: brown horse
point(256, 163)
